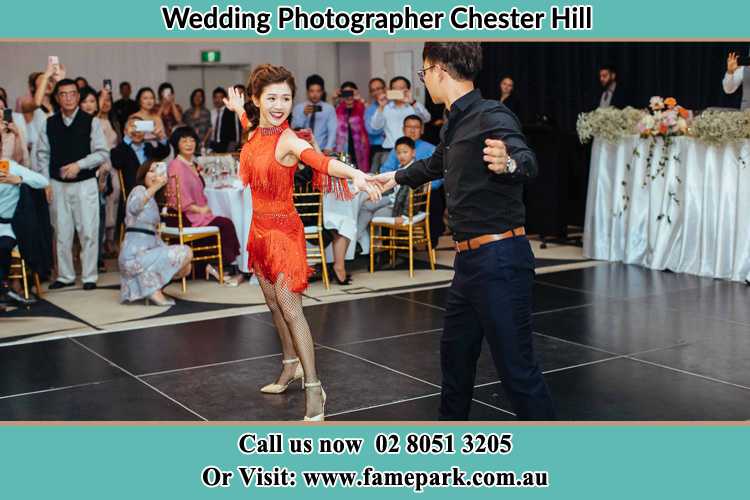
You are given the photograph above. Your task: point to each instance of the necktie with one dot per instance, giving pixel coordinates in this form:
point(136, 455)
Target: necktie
point(216, 125)
point(312, 121)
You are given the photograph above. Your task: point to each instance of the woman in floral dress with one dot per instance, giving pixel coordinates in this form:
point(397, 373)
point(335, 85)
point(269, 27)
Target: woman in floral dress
point(147, 264)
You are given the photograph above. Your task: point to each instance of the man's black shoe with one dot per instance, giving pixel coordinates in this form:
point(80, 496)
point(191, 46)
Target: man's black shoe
point(89, 286)
point(59, 284)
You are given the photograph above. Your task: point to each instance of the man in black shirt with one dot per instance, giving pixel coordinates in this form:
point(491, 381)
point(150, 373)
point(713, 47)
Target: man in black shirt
point(491, 292)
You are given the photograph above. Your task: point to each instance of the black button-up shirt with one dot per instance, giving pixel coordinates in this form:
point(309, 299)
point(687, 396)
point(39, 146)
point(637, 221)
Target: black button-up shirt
point(479, 201)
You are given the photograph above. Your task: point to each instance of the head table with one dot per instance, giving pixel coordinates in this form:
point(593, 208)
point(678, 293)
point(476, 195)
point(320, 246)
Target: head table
point(676, 204)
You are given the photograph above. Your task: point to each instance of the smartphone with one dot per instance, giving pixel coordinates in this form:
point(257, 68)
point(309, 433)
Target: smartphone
point(347, 93)
point(304, 134)
point(53, 60)
point(107, 85)
point(166, 93)
point(8, 115)
point(317, 108)
point(144, 125)
point(160, 168)
point(4, 166)
point(395, 95)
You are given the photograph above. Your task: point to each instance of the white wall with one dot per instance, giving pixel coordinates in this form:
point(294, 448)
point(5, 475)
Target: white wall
point(144, 63)
point(378, 63)
point(354, 59)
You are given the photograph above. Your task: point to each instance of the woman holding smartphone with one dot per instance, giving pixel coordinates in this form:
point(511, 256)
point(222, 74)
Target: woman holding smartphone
point(149, 112)
point(169, 110)
point(147, 264)
point(276, 243)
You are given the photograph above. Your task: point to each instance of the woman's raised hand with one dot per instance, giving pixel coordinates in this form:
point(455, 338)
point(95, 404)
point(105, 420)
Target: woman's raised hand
point(235, 102)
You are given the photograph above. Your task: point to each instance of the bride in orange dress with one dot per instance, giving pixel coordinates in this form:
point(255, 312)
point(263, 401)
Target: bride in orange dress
point(276, 243)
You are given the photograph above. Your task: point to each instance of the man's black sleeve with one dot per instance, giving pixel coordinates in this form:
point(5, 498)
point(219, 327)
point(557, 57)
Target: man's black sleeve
point(423, 171)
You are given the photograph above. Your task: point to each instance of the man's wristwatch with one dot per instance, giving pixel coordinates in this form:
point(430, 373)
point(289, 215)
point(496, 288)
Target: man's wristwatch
point(510, 165)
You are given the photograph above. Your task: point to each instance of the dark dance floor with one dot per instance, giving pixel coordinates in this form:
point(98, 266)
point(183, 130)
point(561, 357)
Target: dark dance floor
point(616, 343)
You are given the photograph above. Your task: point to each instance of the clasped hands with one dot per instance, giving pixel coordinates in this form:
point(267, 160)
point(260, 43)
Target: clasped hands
point(495, 155)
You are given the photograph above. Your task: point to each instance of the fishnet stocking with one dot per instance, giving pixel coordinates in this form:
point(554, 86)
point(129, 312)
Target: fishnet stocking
point(295, 336)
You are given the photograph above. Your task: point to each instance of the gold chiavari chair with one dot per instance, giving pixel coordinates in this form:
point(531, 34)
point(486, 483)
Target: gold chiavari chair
point(309, 205)
point(19, 270)
point(176, 231)
point(404, 232)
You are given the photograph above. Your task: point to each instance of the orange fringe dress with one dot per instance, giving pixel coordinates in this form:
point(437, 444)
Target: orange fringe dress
point(276, 244)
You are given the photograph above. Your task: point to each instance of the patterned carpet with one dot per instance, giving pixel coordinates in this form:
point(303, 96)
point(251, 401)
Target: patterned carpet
point(73, 311)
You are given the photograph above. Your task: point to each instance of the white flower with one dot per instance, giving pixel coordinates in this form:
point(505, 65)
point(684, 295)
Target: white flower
point(656, 103)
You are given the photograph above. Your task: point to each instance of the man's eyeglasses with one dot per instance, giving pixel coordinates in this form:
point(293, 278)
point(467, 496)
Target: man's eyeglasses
point(422, 72)
point(71, 93)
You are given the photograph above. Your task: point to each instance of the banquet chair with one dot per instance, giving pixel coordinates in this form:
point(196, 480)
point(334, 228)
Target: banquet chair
point(175, 230)
point(309, 205)
point(22, 272)
point(404, 232)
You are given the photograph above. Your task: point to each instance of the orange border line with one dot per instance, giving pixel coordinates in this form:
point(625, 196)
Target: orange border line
point(355, 40)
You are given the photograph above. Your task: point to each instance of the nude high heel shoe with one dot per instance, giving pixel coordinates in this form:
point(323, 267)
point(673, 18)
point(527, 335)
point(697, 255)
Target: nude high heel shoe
point(299, 374)
point(321, 416)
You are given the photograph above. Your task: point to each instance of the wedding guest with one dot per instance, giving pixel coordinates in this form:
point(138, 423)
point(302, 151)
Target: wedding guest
point(376, 87)
point(124, 106)
point(612, 93)
point(71, 148)
point(391, 113)
point(147, 264)
point(413, 129)
point(405, 151)
point(226, 129)
point(169, 110)
point(351, 135)
point(198, 117)
point(134, 151)
point(196, 212)
point(81, 83)
point(13, 138)
point(508, 96)
point(317, 115)
point(90, 104)
point(737, 76)
point(149, 111)
point(111, 191)
point(10, 183)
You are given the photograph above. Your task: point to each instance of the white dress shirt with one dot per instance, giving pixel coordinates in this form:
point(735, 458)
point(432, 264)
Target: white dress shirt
point(732, 82)
point(99, 147)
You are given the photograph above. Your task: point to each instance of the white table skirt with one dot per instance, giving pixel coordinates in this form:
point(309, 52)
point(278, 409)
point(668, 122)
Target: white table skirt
point(236, 204)
point(706, 231)
point(341, 216)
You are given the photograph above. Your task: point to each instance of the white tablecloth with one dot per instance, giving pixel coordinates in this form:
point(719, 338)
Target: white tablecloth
point(342, 216)
point(694, 219)
point(234, 203)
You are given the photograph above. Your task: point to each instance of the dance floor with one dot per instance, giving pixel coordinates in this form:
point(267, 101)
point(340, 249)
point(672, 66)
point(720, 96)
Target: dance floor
point(616, 343)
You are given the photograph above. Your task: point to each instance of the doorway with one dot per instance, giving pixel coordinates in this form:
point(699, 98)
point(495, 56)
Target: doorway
point(187, 77)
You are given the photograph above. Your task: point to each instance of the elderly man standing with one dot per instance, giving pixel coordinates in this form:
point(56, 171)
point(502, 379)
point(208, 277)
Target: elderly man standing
point(71, 147)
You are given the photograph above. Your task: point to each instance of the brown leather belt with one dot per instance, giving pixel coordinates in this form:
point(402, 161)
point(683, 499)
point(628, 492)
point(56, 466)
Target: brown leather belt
point(474, 243)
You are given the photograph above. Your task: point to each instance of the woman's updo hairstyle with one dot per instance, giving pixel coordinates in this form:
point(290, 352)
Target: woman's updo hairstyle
point(261, 77)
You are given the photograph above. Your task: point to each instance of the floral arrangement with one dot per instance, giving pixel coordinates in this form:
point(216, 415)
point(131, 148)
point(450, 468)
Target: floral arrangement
point(610, 124)
point(667, 119)
point(721, 127)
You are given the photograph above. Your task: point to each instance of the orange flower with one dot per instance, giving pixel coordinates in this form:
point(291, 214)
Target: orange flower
point(684, 113)
point(663, 129)
point(671, 102)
